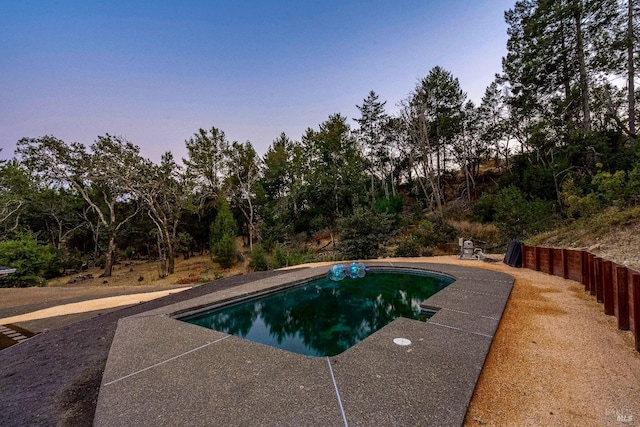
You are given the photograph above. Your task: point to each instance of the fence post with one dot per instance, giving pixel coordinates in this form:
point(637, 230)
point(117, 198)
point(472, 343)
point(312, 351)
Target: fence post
point(586, 271)
point(621, 297)
point(599, 287)
point(565, 264)
point(592, 274)
point(607, 287)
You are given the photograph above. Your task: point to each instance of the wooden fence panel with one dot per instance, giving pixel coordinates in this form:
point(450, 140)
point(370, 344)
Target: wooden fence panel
point(598, 276)
point(634, 307)
point(544, 260)
point(607, 287)
point(633, 277)
point(621, 297)
point(574, 265)
point(593, 267)
point(591, 285)
point(585, 270)
point(559, 261)
point(528, 257)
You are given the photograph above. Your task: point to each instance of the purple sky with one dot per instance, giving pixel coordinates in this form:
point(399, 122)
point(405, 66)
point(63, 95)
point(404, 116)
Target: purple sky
point(157, 71)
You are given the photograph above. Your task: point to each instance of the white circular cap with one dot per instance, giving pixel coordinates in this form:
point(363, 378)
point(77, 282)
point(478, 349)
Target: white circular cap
point(401, 341)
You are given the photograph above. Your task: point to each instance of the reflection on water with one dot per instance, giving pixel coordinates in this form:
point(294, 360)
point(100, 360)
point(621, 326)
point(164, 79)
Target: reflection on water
point(322, 317)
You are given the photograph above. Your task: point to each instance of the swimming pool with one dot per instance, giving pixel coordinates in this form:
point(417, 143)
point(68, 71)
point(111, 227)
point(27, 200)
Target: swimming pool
point(234, 381)
point(323, 317)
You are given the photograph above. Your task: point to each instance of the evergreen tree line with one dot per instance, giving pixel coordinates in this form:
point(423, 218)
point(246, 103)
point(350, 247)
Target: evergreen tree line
point(553, 138)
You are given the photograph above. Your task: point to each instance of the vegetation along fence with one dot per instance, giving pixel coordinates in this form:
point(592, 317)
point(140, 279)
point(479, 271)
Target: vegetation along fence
point(616, 286)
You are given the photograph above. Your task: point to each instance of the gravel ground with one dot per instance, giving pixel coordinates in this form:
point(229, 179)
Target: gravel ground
point(555, 360)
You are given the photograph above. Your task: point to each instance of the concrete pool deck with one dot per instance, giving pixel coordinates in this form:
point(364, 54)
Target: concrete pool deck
point(162, 371)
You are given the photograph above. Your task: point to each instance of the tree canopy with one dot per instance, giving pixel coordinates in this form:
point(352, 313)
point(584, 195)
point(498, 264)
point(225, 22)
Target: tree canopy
point(552, 139)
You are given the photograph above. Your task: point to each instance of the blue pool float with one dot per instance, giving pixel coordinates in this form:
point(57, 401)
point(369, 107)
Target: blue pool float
point(354, 270)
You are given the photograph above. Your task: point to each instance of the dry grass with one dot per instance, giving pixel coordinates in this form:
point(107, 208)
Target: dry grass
point(475, 230)
point(613, 234)
point(197, 269)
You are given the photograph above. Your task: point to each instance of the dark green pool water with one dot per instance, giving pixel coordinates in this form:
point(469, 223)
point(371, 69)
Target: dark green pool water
point(323, 317)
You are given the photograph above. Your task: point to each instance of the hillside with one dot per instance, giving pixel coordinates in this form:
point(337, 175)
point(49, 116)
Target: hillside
point(613, 234)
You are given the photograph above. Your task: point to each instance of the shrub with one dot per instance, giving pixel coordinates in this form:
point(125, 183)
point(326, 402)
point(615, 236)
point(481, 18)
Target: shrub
point(258, 260)
point(611, 187)
point(283, 257)
point(475, 230)
point(280, 257)
point(394, 205)
point(619, 188)
point(30, 260)
point(516, 217)
point(430, 233)
point(484, 209)
point(408, 248)
point(363, 233)
point(576, 204)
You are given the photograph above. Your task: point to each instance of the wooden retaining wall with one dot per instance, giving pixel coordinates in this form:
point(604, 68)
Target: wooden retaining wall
point(616, 286)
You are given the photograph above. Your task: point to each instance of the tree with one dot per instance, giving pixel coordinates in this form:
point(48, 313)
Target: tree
point(433, 116)
point(15, 188)
point(205, 164)
point(493, 121)
point(363, 233)
point(223, 235)
point(164, 192)
point(371, 136)
point(103, 176)
point(334, 182)
point(244, 167)
point(281, 188)
point(60, 209)
point(616, 38)
point(546, 63)
point(469, 149)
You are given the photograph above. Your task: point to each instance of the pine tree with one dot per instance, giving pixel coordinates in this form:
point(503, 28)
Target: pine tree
point(223, 235)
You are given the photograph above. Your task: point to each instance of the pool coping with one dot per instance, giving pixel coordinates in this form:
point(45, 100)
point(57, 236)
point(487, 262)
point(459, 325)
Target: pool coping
point(204, 377)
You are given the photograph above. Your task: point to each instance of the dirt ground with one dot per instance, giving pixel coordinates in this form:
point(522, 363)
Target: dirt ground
point(556, 358)
point(142, 274)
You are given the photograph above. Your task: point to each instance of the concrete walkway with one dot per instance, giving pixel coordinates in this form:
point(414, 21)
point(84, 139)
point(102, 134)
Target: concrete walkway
point(162, 371)
point(90, 305)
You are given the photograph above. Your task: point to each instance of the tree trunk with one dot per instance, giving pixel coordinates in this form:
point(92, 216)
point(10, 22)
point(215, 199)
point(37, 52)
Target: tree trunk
point(468, 180)
point(251, 225)
point(109, 259)
point(373, 189)
point(170, 255)
point(631, 71)
point(162, 266)
point(584, 83)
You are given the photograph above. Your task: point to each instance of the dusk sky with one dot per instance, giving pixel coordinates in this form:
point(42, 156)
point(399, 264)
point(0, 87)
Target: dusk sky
point(155, 72)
